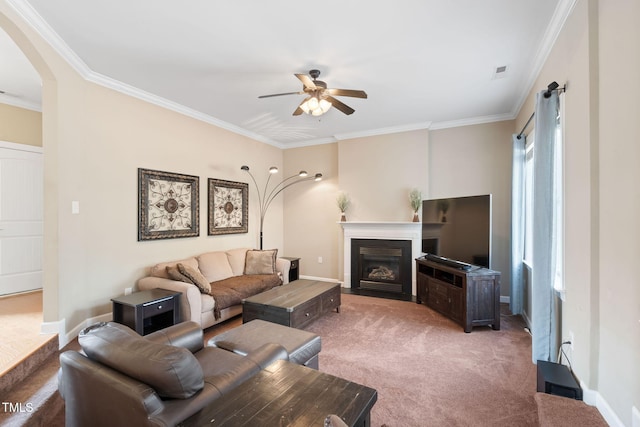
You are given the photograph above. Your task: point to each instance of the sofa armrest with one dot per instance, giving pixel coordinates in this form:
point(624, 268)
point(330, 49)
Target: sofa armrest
point(186, 335)
point(190, 301)
point(282, 267)
point(93, 392)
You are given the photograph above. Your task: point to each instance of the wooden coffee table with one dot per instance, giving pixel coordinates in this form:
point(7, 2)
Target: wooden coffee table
point(286, 394)
point(295, 304)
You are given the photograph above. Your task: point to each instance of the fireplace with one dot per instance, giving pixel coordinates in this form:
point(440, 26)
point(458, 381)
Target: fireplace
point(381, 265)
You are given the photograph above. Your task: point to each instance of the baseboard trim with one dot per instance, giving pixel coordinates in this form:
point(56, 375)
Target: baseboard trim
point(594, 398)
point(47, 328)
point(107, 317)
point(321, 279)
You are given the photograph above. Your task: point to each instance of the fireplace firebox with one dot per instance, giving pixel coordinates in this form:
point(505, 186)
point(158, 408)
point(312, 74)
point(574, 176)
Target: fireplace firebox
point(381, 265)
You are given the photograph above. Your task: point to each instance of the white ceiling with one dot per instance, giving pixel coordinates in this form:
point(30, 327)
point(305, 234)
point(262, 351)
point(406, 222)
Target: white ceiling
point(423, 63)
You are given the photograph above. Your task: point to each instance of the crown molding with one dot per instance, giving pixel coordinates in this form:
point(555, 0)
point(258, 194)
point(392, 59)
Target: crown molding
point(472, 121)
point(560, 15)
point(135, 92)
point(33, 18)
point(383, 131)
point(17, 102)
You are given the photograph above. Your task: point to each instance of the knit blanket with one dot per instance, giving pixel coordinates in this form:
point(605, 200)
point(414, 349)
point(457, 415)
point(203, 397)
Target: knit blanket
point(233, 290)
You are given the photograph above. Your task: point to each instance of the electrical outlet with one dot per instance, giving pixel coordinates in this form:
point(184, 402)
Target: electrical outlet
point(319, 260)
point(127, 291)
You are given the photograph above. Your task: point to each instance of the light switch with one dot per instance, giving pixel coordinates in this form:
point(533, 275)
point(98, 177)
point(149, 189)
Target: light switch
point(75, 207)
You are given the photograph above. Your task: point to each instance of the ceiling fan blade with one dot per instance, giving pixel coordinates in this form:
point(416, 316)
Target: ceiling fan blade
point(306, 81)
point(348, 92)
point(299, 110)
point(340, 106)
point(280, 94)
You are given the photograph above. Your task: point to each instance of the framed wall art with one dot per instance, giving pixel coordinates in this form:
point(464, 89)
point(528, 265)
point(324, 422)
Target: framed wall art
point(228, 207)
point(168, 205)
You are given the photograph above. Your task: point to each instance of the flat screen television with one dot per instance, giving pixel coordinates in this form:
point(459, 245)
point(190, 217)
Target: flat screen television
point(458, 228)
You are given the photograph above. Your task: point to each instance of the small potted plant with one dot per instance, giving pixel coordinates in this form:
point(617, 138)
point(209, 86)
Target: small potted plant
point(415, 198)
point(343, 204)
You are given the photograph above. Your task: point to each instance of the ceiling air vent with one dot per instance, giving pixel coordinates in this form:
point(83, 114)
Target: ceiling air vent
point(500, 72)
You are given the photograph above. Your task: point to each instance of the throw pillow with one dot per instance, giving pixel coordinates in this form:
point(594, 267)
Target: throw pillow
point(196, 277)
point(173, 372)
point(174, 274)
point(260, 262)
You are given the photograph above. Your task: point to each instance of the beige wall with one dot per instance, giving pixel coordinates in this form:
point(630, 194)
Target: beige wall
point(474, 160)
point(619, 206)
point(598, 47)
point(98, 164)
point(20, 125)
point(378, 172)
point(310, 213)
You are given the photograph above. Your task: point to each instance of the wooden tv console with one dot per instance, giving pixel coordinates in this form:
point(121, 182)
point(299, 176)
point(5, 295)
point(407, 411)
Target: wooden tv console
point(471, 298)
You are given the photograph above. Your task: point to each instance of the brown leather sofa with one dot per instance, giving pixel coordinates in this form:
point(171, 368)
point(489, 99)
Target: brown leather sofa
point(121, 378)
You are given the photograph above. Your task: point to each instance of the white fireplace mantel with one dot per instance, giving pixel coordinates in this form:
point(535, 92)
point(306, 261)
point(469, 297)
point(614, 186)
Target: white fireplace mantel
point(390, 230)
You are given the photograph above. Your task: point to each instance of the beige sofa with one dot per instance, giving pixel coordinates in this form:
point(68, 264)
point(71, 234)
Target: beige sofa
point(232, 275)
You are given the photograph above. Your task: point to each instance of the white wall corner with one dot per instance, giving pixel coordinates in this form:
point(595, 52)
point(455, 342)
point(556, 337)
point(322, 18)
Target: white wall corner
point(635, 417)
point(107, 317)
point(47, 328)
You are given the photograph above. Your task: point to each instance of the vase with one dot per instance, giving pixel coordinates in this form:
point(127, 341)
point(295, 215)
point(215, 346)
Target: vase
point(415, 217)
point(343, 218)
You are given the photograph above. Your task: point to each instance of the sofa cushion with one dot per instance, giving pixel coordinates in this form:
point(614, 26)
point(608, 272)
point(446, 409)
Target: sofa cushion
point(215, 266)
point(194, 275)
point(175, 274)
point(236, 260)
point(261, 261)
point(160, 270)
point(173, 372)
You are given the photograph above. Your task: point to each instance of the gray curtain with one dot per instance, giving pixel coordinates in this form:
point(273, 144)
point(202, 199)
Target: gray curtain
point(517, 225)
point(543, 318)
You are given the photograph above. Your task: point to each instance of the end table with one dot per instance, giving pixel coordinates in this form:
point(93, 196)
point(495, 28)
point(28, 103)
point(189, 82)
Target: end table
point(294, 270)
point(147, 311)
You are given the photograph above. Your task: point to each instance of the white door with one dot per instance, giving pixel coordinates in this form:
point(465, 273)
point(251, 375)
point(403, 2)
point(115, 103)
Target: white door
point(21, 213)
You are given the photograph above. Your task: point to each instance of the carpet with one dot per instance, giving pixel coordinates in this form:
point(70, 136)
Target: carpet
point(555, 410)
point(426, 369)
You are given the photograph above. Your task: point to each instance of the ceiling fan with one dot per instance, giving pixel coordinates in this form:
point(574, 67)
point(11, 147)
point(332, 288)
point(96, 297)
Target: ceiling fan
point(319, 98)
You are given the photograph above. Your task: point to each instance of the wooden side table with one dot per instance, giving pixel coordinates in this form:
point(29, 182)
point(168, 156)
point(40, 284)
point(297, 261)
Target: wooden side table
point(294, 270)
point(147, 311)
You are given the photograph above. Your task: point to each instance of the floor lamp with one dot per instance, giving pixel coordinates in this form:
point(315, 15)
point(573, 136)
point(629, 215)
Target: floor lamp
point(265, 199)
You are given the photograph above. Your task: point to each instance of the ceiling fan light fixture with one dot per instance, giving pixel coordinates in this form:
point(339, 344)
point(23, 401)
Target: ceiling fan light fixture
point(313, 103)
point(324, 105)
point(315, 107)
